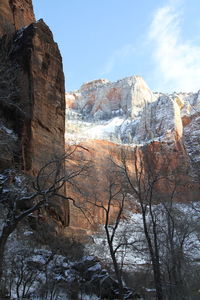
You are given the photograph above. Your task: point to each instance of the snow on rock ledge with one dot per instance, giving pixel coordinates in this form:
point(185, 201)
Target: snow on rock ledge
point(101, 99)
point(127, 111)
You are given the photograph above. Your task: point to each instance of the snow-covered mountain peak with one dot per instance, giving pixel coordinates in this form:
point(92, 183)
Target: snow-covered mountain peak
point(101, 99)
point(127, 111)
point(91, 85)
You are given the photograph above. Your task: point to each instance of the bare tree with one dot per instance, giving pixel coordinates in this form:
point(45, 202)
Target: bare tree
point(110, 196)
point(143, 179)
point(142, 186)
point(179, 240)
point(18, 200)
point(167, 229)
point(23, 275)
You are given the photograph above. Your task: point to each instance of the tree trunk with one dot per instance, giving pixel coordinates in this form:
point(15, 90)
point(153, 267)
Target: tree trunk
point(154, 258)
point(7, 230)
point(115, 265)
point(118, 275)
point(157, 280)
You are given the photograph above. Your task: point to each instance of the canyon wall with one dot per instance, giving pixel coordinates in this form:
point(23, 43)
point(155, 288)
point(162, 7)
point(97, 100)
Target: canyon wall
point(32, 94)
point(114, 117)
point(105, 117)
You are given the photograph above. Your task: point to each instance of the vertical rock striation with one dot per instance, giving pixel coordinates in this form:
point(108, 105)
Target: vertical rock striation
point(32, 102)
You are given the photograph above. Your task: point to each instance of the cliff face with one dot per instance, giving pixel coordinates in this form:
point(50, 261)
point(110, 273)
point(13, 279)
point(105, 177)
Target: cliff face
point(41, 83)
point(100, 99)
point(32, 110)
point(164, 128)
point(128, 112)
point(15, 14)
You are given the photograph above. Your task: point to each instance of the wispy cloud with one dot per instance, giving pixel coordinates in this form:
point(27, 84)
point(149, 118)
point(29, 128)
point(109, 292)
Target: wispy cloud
point(117, 58)
point(177, 61)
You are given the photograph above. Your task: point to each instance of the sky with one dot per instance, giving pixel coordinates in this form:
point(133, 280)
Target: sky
point(156, 39)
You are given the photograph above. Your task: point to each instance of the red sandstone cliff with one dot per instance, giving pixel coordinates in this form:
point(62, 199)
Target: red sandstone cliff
point(32, 103)
point(15, 14)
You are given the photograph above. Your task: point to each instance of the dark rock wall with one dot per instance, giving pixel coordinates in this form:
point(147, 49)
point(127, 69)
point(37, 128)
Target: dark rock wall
point(32, 95)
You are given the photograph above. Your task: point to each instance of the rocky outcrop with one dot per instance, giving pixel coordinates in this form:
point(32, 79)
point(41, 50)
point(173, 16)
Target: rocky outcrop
point(32, 95)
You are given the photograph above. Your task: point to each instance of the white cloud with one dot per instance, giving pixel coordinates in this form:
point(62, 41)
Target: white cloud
point(118, 57)
point(177, 61)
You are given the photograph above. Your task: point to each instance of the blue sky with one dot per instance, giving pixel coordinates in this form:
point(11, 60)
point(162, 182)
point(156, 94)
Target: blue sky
point(156, 39)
